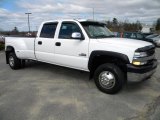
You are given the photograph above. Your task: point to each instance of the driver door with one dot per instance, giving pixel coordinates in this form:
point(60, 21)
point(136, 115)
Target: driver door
point(71, 52)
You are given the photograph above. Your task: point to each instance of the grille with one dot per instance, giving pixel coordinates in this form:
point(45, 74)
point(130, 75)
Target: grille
point(151, 52)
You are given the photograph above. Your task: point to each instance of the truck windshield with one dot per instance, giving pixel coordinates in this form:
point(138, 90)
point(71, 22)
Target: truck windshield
point(97, 30)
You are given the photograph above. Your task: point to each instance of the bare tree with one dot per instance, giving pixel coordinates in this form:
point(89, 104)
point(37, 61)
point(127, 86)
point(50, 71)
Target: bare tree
point(117, 26)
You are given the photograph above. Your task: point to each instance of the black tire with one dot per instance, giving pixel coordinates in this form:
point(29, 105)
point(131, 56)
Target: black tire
point(116, 78)
point(16, 64)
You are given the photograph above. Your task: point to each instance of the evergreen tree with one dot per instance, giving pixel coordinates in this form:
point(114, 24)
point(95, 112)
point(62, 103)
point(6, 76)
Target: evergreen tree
point(15, 30)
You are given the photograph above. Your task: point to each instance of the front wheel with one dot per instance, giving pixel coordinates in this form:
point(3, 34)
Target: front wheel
point(109, 78)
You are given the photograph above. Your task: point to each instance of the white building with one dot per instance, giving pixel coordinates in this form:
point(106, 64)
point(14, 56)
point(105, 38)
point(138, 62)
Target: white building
point(146, 28)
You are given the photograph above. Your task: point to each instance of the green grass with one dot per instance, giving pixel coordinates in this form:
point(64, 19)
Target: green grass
point(1, 46)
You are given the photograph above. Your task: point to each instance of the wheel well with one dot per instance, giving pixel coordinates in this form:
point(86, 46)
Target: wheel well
point(99, 60)
point(9, 49)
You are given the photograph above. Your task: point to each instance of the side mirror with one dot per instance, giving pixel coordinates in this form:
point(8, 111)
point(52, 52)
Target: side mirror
point(76, 35)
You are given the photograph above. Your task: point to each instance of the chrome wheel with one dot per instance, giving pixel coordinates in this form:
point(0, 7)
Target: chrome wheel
point(107, 80)
point(11, 61)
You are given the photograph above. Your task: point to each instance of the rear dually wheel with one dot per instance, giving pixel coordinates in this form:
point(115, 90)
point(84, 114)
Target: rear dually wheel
point(13, 61)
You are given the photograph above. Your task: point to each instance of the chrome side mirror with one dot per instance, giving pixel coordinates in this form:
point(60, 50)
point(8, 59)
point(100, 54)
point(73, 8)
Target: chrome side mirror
point(76, 35)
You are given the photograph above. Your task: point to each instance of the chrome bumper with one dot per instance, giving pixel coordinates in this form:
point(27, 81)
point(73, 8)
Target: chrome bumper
point(135, 77)
point(140, 73)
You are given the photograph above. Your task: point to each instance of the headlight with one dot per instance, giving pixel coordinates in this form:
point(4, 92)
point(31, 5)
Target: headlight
point(140, 54)
point(137, 59)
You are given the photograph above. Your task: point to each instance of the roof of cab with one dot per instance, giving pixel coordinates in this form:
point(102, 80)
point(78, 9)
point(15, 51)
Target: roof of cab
point(79, 20)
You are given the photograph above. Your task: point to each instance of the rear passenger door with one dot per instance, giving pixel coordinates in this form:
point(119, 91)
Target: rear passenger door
point(44, 44)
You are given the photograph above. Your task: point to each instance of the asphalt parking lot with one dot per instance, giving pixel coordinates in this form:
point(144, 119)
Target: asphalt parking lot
point(46, 92)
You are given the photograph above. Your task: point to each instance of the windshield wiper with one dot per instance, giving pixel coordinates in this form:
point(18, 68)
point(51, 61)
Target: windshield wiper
point(111, 36)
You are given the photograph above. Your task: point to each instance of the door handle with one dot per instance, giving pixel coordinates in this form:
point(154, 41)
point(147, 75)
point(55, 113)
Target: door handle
point(58, 44)
point(39, 42)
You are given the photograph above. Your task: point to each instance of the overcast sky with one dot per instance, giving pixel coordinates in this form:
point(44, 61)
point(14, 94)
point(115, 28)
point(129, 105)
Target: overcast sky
point(12, 12)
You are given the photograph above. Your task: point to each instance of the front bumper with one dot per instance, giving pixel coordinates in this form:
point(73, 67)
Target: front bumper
point(138, 73)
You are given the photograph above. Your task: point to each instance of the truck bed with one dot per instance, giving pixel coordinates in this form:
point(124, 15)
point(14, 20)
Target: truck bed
point(24, 47)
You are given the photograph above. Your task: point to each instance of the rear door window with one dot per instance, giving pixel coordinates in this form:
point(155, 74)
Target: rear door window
point(48, 30)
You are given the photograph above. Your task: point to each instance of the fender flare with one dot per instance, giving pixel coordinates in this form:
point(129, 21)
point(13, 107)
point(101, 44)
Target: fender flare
point(98, 53)
point(9, 49)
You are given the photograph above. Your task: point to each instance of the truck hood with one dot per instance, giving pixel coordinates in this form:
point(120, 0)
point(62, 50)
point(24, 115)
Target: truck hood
point(124, 42)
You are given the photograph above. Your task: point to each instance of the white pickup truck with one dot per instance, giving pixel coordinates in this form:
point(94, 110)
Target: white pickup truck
point(88, 46)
